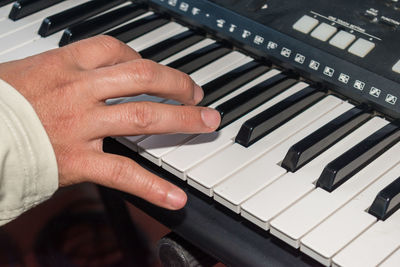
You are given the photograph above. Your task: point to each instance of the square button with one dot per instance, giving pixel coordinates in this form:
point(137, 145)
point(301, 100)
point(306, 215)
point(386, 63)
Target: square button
point(305, 24)
point(323, 32)
point(342, 39)
point(396, 67)
point(361, 47)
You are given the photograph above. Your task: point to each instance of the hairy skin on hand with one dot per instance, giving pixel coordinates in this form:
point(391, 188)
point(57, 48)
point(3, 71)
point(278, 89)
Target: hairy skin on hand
point(68, 88)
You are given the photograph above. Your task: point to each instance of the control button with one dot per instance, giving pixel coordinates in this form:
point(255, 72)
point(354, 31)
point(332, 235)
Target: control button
point(371, 14)
point(361, 47)
point(323, 32)
point(396, 67)
point(389, 21)
point(305, 24)
point(342, 39)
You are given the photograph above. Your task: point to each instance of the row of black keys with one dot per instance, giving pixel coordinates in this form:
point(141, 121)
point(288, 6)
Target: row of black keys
point(334, 174)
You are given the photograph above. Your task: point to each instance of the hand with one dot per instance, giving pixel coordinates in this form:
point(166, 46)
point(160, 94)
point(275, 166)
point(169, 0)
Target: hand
point(68, 88)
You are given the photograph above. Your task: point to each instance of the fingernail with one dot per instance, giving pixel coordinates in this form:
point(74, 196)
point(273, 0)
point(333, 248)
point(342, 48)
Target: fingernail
point(211, 117)
point(198, 94)
point(176, 198)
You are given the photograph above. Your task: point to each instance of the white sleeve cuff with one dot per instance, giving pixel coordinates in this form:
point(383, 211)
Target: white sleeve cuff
point(28, 166)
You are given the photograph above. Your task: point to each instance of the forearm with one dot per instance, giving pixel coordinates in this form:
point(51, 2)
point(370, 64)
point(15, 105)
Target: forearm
point(28, 168)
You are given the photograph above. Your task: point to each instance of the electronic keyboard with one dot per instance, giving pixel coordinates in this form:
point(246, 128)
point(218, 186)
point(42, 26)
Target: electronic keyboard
point(304, 168)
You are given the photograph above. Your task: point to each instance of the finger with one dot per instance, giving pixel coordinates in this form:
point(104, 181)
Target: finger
point(152, 118)
point(126, 175)
point(99, 51)
point(144, 76)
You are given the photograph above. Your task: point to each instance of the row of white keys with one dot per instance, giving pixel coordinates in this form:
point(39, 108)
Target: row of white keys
point(4, 11)
point(40, 44)
point(393, 260)
point(9, 26)
point(278, 196)
point(179, 161)
point(346, 224)
point(374, 245)
point(248, 181)
point(226, 162)
point(319, 204)
point(156, 146)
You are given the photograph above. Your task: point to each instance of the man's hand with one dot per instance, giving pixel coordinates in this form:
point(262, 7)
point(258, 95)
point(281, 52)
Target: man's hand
point(68, 88)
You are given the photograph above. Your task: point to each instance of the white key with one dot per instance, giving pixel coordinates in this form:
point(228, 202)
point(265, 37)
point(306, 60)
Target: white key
point(251, 179)
point(190, 49)
point(346, 224)
point(4, 11)
point(9, 26)
point(219, 67)
point(19, 38)
point(32, 48)
point(40, 45)
point(156, 146)
point(179, 161)
point(392, 261)
point(278, 196)
point(24, 36)
point(319, 204)
point(158, 35)
point(217, 168)
point(373, 246)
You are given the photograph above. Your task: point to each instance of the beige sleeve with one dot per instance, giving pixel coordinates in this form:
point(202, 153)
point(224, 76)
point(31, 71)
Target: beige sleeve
point(28, 167)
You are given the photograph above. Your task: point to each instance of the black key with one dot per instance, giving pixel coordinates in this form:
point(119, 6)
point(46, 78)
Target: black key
point(23, 8)
point(323, 138)
point(270, 119)
point(200, 58)
point(171, 46)
point(230, 81)
point(387, 201)
point(74, 15)
point(352, 161)
point(137, 28)
point(5, 2)
point(253, 97)
point(101, 23)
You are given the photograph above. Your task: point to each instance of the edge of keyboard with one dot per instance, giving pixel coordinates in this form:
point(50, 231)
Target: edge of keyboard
point(221, 233)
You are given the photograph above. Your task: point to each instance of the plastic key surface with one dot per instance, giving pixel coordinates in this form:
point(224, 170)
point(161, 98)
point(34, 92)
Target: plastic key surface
point(270, 119)
point(5, 2)
point(137, 28)
point(317, 142)
point(200, 58)
point(172, 45)
point(74, 15)
point(225, 84)
point(23, 8)
point(101, 23)
point(356, 158)
point(252, 98)
point(387, 201)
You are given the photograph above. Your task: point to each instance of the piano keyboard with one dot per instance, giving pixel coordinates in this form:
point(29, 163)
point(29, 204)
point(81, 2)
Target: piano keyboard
point(293, 159)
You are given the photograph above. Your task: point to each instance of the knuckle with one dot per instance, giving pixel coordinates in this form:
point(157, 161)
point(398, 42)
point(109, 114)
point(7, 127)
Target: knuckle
point(186, 84)
point(109, 43)
point(145, 71)
point(142, 115)
point(120, 171)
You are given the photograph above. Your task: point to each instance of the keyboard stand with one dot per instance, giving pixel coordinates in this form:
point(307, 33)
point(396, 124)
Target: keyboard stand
point(204, 223)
